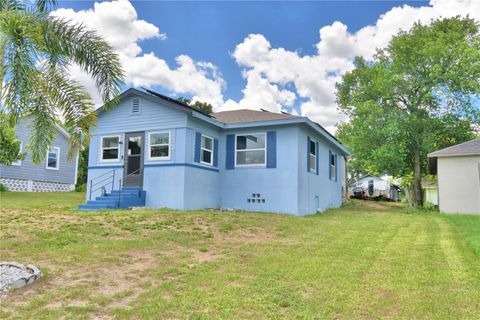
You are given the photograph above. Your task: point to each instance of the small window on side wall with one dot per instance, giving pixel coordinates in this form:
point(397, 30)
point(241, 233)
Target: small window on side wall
point(332, 166)
point(206, 155)
point(159, 146)
point(110, 148)
point(313, 156)
point(53, 159)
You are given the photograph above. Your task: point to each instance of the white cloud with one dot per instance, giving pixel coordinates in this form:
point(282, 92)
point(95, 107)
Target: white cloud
point(260, 93)
point(276, 78)
point(118, 23)
point(314, 76)
point(200, 79)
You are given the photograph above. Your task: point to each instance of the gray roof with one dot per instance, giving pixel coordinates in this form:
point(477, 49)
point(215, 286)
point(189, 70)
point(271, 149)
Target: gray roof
point(246, 115)
point(462, 149)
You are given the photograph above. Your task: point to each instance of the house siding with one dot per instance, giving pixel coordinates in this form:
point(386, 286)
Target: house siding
point(278, 186)
point(317, 189)
point(459, 184)
point(202, 181)
point(28, 171)
point(183, 182)
point(151, 117)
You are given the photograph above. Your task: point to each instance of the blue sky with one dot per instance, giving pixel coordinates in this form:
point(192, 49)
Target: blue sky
point(287, 34)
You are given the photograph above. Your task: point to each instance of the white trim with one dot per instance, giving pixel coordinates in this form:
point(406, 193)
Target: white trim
point(264, 164)
point(76, 169)
point(62, 131)
point(163, 144)
point(57, 160)
point(18, 163)
point(211, 151)
point(101, 148)
point(316, 155)
point(332, 174)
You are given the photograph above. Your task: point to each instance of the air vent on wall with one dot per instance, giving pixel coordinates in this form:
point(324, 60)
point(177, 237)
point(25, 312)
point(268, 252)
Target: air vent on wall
point(136, 105)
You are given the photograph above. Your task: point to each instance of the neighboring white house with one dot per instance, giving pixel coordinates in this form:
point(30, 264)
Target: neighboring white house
point(458, 172)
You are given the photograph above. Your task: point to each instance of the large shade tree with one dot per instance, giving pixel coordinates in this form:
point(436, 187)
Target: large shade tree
point(418, 95)
point(36, 51)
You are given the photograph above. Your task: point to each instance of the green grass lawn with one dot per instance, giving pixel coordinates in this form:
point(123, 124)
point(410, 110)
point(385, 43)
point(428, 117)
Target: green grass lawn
point(364, 261)
point(469, 225)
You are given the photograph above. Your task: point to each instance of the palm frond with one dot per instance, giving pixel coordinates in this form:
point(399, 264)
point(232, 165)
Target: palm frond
point(36, 51)
point(45, 5)
point(78, 111)
point(90, 51)
point(43, 129)
point(11, 5)
point(20, 55)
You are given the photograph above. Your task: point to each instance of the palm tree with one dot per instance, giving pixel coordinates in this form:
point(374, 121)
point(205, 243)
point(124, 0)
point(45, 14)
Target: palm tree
point(36, 51)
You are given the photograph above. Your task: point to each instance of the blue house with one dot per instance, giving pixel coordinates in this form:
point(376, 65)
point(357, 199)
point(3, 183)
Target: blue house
point(56, 173)
point(155, 151)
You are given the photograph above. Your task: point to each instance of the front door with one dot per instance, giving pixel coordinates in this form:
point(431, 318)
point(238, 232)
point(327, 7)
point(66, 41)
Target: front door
point(133, 169)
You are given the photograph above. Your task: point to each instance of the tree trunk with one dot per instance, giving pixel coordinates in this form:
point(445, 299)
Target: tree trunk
point(417, 181)
point(408, 195)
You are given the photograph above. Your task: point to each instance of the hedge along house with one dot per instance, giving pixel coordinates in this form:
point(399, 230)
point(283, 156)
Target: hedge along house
point(56, 173)
point(152, 150)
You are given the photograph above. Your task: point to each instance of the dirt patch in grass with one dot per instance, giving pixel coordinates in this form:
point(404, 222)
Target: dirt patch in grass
point(204, 256)
point(118, 284)
point(256, 235)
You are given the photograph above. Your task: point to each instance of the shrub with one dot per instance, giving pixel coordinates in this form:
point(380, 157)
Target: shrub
point(81, 187)
point(3, 188)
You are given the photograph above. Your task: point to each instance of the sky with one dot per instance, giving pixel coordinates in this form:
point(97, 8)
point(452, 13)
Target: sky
point(278, 56)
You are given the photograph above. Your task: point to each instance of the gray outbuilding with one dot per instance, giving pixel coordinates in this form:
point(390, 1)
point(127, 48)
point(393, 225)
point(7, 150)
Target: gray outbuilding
point(458, 172)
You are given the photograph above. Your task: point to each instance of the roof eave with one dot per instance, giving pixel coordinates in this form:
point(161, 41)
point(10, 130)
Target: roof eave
point(433, 155)
point(156, 98)
point(299, 120)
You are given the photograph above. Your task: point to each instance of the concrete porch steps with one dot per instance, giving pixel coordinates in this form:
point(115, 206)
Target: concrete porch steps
point(117, 199)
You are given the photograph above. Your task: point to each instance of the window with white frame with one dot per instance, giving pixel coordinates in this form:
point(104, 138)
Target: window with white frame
point(18, 162)
point(206, 154)
point(159, 146)
point(313, 156)
point(53, 158)
point(110, 148)
point(250, 149)
point(332, 166)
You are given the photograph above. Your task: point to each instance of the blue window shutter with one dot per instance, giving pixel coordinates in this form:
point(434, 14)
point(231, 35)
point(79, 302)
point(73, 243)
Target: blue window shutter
point(215, 152)
point(230, 160)
point(316, 158)
point(329, 159)
point(198, 144)
point(336, 164)
point(271, 149)
point(308, 154)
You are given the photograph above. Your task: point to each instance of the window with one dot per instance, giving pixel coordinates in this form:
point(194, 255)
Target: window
point(159, 146)
point(136, 105)
point(18, 162)
point(250, 149)
point(332, 166)
point(313, 156)
point(53, 158)
point(110, 148)
point(206, 153)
